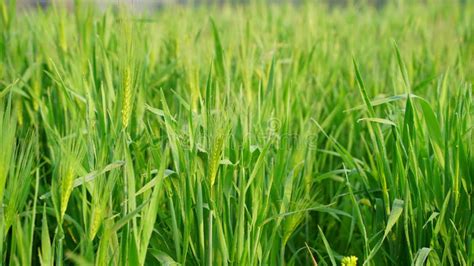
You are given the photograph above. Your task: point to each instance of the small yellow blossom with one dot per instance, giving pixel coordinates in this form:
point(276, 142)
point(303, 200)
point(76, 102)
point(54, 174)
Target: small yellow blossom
point(349, 261)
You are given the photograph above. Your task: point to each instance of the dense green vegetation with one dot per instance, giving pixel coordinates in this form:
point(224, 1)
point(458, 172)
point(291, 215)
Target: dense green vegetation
point(238, 134)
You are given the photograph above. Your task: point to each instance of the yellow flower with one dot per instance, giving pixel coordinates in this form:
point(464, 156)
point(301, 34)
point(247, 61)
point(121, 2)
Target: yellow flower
point(349, 261)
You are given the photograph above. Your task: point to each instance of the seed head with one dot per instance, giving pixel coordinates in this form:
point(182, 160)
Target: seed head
point(127, 96)
point(66, 189)
point(215, 157)
point(96, 218)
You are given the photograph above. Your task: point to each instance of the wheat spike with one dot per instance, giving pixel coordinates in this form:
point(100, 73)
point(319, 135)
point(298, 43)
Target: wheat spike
point(95, 221)
point(19, 112)
point(127, 96)
point(215, 157)
point(37, 92)
point(4, 12)
point(66, 189)
point(62, 37)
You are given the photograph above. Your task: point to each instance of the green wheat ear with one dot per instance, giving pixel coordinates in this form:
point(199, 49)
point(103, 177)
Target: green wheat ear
point(37, 92)
point(4, 12)
point(19, 111)
point(66, 189)
point(216, 152)
point(62, 36)
point(127, 96)
point(96, 218)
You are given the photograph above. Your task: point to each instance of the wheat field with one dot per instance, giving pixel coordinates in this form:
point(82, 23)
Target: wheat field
point(237, 134)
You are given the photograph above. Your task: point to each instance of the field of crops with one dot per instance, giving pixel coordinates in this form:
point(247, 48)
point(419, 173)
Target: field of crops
point(254, 134)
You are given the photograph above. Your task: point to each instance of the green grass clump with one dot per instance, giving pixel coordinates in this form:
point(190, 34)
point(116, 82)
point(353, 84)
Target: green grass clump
point(254, 134)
